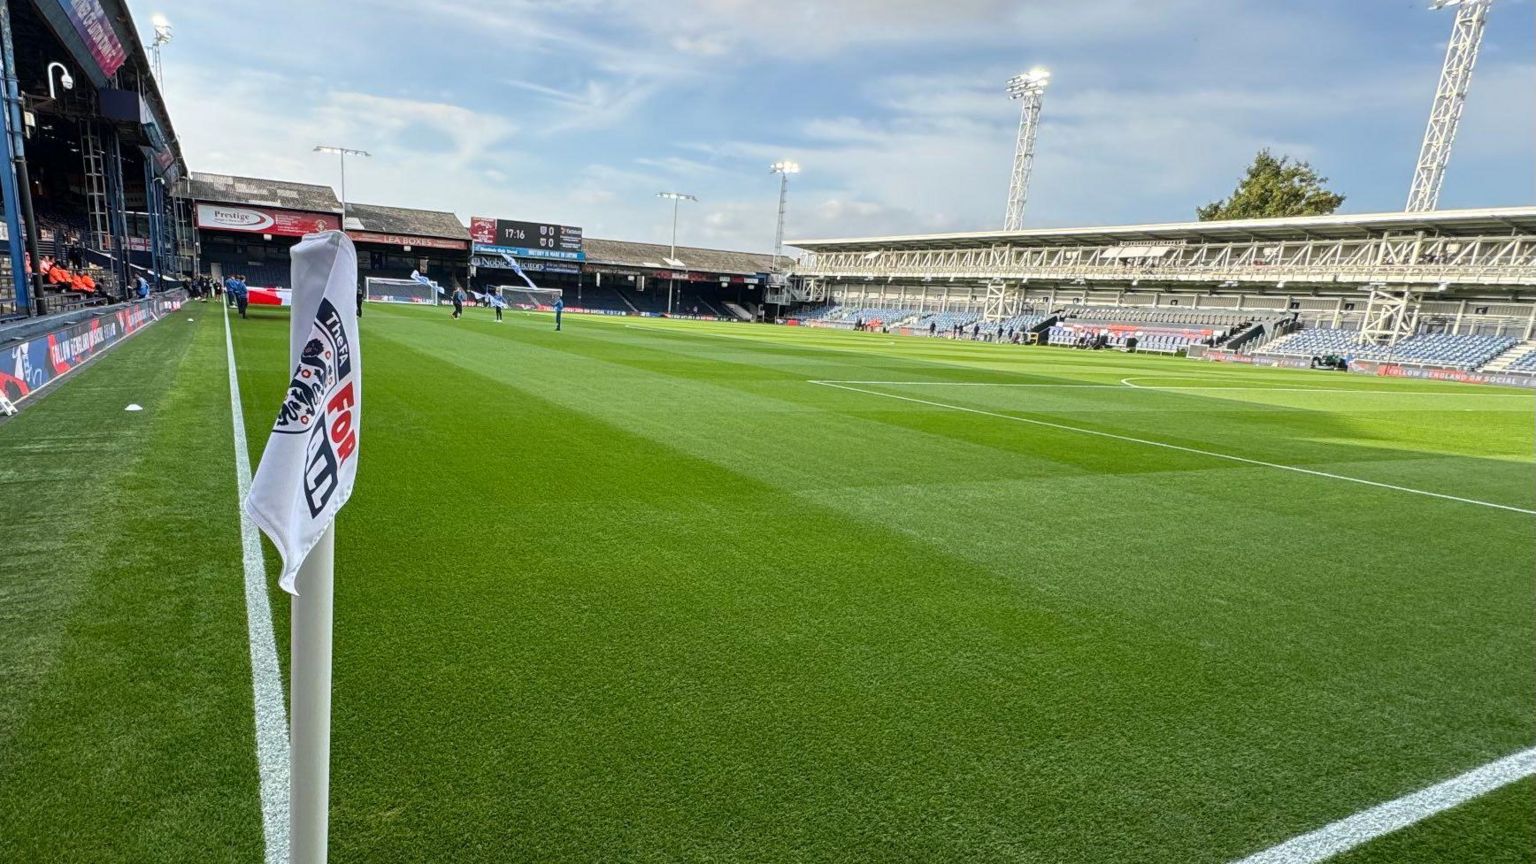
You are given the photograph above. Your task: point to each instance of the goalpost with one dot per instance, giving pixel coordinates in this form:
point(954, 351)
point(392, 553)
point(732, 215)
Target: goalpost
point(523, 297)
point(380, 290)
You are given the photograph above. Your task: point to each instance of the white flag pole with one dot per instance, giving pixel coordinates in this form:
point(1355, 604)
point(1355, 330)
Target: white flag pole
point(310, 744)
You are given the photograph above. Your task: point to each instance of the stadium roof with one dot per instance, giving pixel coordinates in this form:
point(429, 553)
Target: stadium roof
point(624, 253)
point(259, 192)
point(405, 220)
point(1500, 220)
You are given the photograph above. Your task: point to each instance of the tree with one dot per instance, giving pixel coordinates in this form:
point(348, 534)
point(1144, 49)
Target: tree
point(1275, 187)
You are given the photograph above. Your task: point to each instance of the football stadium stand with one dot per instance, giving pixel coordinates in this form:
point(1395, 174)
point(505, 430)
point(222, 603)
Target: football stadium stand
point(394, 241)
point(246, 225)
point(1466, 351)
point(101, 158)
point(1437, 287)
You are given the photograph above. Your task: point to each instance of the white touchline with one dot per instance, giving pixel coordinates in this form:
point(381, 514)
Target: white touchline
point(1367, 825)
point(266, 677)
point(1163, 444)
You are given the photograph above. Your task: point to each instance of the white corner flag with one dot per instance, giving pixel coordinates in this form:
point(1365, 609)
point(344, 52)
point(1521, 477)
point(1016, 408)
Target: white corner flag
point(310, 461)
point(305, 477)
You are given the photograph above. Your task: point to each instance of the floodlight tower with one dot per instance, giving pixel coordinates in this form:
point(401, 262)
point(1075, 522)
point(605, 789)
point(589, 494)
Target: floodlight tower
point(1450, 99)
point(163, 36)
point(1029, 88)
point(783, 168)
point(676, 198)
point(343, 153)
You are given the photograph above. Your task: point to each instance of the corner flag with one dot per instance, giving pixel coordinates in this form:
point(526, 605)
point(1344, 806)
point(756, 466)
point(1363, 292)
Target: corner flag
point(310, 460)
point(305, 477)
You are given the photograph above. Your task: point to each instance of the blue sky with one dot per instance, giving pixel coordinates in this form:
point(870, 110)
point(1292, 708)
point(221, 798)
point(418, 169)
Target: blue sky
point(579, 111)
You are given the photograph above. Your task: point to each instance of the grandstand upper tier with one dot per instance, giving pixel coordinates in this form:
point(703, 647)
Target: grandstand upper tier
point(1444, 250)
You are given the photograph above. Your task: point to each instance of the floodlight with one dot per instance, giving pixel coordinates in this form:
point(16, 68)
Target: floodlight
point(784, 166)
point(676, 196)
point(1033, 81)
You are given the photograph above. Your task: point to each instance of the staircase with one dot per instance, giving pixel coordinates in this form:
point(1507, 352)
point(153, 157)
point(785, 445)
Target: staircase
point(626, 301)
point(1501, 362)
point(738, 311)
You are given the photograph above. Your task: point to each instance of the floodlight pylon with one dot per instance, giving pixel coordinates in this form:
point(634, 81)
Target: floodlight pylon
point(1029, 89)
point(1450, 99)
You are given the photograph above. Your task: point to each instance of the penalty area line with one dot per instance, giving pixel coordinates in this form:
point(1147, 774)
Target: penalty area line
point(266, 677)
point(1181, 448)
point(1367, 825)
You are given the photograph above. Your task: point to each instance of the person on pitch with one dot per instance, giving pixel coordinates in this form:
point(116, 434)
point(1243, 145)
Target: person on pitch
point(559, 307)
point(242, 294)
point(458, 302)
point(493, 295)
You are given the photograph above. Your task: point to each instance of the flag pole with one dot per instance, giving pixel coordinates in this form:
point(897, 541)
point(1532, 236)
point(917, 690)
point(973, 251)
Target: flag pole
point(310, 744)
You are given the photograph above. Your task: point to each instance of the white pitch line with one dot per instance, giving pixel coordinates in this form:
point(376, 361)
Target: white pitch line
point(266, 677)
point(1367, 825)
point(1165, 445)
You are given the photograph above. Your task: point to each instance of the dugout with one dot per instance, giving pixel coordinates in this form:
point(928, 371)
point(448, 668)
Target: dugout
point(247, 225)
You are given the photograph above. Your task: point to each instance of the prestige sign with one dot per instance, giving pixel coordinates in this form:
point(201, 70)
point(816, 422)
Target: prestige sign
point(263, 220)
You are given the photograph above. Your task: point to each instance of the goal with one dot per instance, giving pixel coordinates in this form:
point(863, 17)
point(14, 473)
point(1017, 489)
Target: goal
point(380, 290)
point(523, 297)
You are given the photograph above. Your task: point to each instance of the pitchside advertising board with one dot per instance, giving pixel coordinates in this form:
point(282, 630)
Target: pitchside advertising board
point(29, 366)
point(264, 220)
point(526, 239)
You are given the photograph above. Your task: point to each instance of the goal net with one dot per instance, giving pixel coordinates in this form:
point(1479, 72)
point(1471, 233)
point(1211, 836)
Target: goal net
point(380, 290)
point(523, 297)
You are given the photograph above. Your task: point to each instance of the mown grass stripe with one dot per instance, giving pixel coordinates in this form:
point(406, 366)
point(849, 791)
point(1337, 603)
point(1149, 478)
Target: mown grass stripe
point(1213, 454)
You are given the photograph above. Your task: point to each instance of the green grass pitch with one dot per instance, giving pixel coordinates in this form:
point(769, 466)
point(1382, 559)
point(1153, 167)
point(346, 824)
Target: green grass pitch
point(642, 591)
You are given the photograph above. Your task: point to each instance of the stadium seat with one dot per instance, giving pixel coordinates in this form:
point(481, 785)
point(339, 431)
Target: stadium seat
point(1452, 351)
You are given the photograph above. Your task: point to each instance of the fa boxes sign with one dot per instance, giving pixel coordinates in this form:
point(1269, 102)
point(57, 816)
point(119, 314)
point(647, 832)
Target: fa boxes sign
point(310, 460)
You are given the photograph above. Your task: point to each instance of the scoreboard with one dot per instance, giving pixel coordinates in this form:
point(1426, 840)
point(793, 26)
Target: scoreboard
point(526, 239)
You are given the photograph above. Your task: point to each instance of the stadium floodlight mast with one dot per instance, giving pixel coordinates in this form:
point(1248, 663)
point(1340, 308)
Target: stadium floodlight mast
point(1029, 89)
point(783, 168)
point(343, 152)
point(677, 198)
point(1450, 99)
point(163, 36)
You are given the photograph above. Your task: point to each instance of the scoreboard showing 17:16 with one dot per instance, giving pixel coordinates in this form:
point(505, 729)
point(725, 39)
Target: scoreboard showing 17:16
point(538, 235)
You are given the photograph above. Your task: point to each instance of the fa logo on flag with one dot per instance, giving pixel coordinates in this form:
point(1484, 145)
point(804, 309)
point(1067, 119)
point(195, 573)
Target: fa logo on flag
point(319, 404)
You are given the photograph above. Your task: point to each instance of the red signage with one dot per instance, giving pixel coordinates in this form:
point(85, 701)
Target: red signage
point(407, 240)
point(263, 220)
